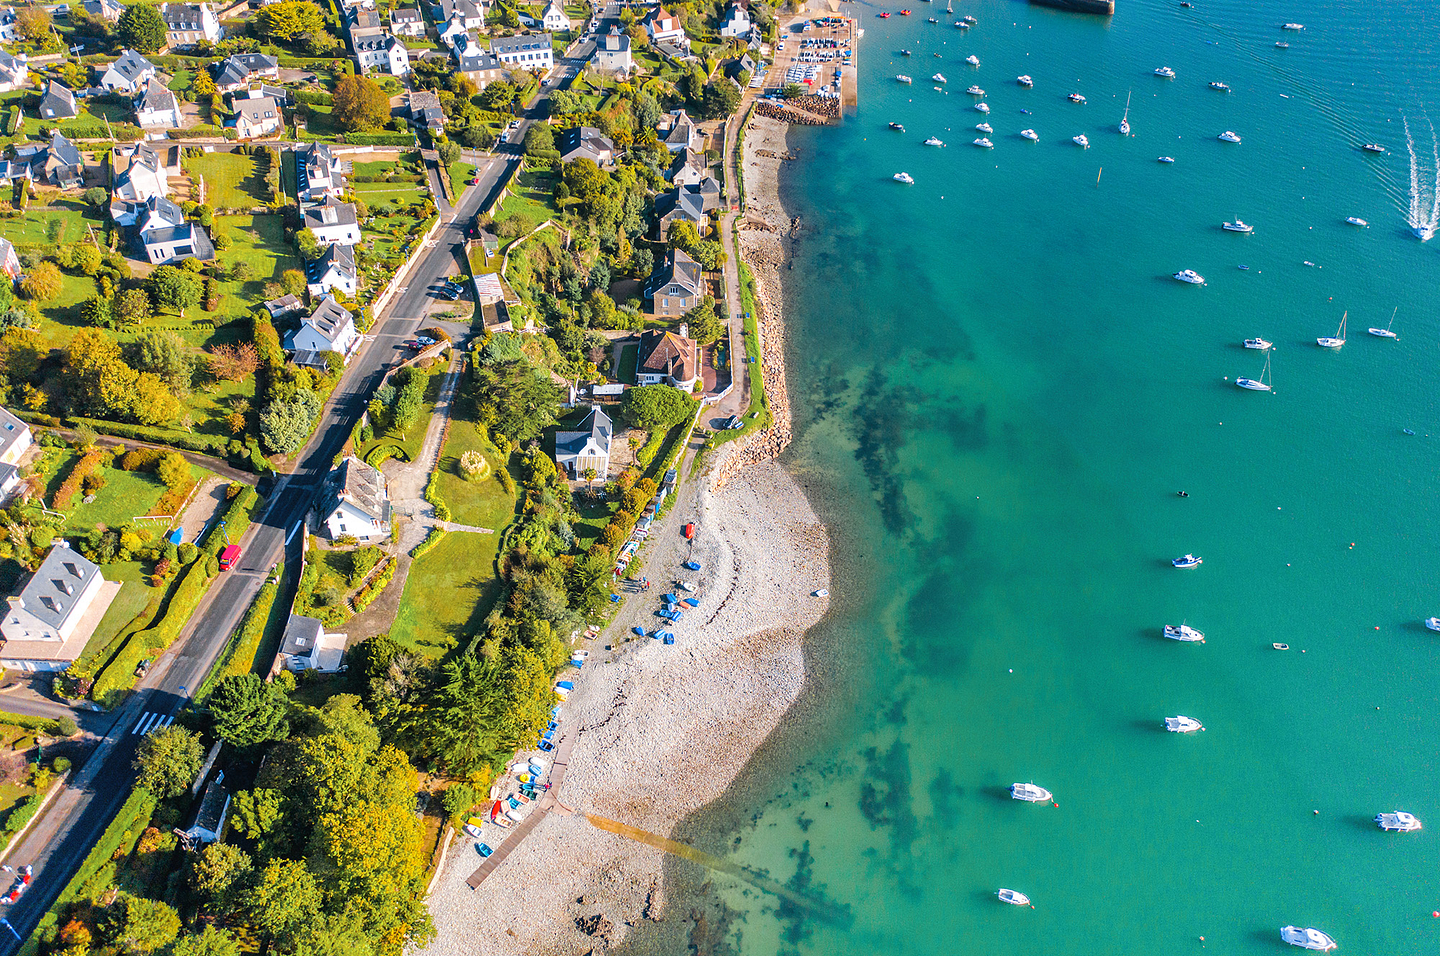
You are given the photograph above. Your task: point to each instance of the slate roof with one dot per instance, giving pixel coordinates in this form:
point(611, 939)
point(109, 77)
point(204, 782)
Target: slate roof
point(200, 247)
point(64, 150)
point(56, 586)
point(331, 212)
point(156, 99)
point(59, 101)
point(681, 204)
point(210, 815)
point(425, 108)
point(370, 42)
point(329, 318)
point(161, 212)
point(596, 425)
point(283, 306)
point(237, 69)
point(302, 635)
point(678, 268)
point(11, 68)
point(521, 44)
point(254, 109)
point(181, 16)
point(405, 15)
point(105, 9)
point(131, 66)
point(584, 142)
point(362, 486)
point(472, 57)
point(466, 9)
point(336, 254)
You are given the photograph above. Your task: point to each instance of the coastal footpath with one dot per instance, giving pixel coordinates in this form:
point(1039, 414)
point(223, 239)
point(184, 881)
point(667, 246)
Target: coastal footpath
point(663, 731)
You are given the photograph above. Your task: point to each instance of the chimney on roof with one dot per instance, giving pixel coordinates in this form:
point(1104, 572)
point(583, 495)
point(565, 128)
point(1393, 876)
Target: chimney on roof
point(684, 330)
point(17, 602)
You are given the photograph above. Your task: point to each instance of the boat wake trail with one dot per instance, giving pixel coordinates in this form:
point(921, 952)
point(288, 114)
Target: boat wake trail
point(1424, 212)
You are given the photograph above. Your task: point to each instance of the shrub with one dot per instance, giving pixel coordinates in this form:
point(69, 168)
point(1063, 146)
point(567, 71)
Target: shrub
point(60, 764)
point(119, 674)
point(65, 494)
point(473, 466)
point(431, 540)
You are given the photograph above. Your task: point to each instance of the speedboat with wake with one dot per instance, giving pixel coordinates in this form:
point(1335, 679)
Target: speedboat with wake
point(1385, 333)
point(1030, 134)
point(1188, 561)
point(904, 52)
point(1397, 822)
point(1373, 148)
point(1292, 26)
point(1082, 141)
point(1433, 623)
point(1183, 725)
point(934, 141)
point(1184, 632)
point(1424, 232)
point(1307, 938)
point(1190, 276)
point(1013, 897)
point(1030, 793)
point(1228, 137)
point(1125, 120)
point(905, 178)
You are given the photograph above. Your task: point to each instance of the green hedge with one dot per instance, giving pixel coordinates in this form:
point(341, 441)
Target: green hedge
point(372, 590)
point(82, 670)
point(380, 139)
point(127, 826)
point(239, 654)
point(432, 495)
point(119, 674)
point(27, 721)
point(204, 444)
point(12, 125)
point(236, 521)
point(19, 815)
point(432, 539)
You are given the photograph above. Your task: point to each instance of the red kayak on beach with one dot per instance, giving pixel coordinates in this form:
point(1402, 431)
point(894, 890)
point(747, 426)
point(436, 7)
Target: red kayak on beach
point(885, 16)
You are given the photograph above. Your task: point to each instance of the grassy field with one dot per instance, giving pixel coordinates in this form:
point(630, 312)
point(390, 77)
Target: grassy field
point(531, 196)
point(134, 595)
point(629, 357)
point(411, 440)
point(232, 180)
point(460, 176)
point(126, 494)
point(30, 230)
point(447, 594)
point(481, 504)
point(376, 194)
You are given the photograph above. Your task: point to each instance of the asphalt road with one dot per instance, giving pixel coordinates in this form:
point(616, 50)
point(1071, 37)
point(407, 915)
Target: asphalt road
point(60, 838)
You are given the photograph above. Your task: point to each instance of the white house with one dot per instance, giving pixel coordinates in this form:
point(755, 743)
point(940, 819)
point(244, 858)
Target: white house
point(554, 18)
point(187, 24)
point(612, 53)
point(7, 25)
point(354, 501)
point(318, 172)
point(470, 13)
point(664, 27)
point(166, 237)
point(375, 50)
point(256, 116)
point(236, 72)
point(14, 71)
point(335, 269)
point(9, 263)
point(139, 174)
point(530, 52)
point(50, 619)
point(129, 74)
point(736, 22)
point(15, 438)
point(589, 447)
point(157, 106)
point(58, 102)
point(307, 647)
point(666, 358)
point(333, 221)
point(330, 328)
point(407, 22)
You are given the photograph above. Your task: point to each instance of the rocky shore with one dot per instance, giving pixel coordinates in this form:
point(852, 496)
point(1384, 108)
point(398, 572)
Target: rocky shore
point(664, 730)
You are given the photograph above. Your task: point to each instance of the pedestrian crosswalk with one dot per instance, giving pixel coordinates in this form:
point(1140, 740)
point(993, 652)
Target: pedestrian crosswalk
point(151, 720)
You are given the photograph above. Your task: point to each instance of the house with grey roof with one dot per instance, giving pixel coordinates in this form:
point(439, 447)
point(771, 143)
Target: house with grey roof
point(613, 54)
point(236, 72)
point(678, 131)
point(7, 25)
point(736, 22)
point(335, 269)
point(587, 447)
point(332, 221)
point(554, 18)
point(355, 501)
point(470, 13)
point(166, 237)
point(477, 63)
point(680, 205)
point(9, 263)
point(318, 172)
point(586, 142)
point(128, 74)
point(14, 71)
point(407, 22)
point(64, 166)
point(676, 285)
point(49, 620)
point(377, 50)
point(425, 110)
point(330, 328)
point(15, 438)
point(533, 51)
point(157, 106)
point(256, 116)
point(58, 102)
point(307, 647)
point(283, 306)
point(187, 24)
point(108, 10)
point(139, 173)
point(209, 820)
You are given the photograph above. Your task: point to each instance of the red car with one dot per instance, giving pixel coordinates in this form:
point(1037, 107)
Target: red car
point(690, 531)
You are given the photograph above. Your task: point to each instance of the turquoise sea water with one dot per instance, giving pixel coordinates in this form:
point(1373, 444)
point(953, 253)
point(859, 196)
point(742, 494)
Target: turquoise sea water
point(1000, 392)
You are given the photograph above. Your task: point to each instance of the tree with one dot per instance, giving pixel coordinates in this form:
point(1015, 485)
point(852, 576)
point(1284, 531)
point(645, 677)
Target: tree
point(202, 85)
point(132, 308)
point(173, 470)
point(233, 363)
point(449, 153)
point(307, 245)
point(212, 942)
point(792, 91)
point(704, 325)
point(152, 402)
point(360, 103)
point(247, 711)
point(590, 474)
point(539, 138)
point(165, 355)
point(515, 400)
point(656, 406)
point(98, 311)
point(141, 28)
point(87, 258)
point(285, 902)
point(138, 925)
point(565, 102)
point(257, 811)
point(220, 873)
point(293, 282)
point(96, 378)
point(284, 426)
point(287, 20)
point(97, 196)
point(33, 24)
point(168, 760)
point(43, 283)
point(173, 288)
point(497, 96)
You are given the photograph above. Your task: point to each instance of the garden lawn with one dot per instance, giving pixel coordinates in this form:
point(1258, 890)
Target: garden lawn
point(134, 595)
point(460, 176)
point(232, 180)
point(480, 504)
point(447, 594)
point(29, 230)
point(411, 441)
point(530, 196)
point(629, 356)
point(374, 194)
point(260, 241)
point(595, 514)
point(126, 495)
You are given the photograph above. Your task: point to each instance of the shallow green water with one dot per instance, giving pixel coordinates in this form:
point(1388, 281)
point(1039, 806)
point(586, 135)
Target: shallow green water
point(1001, 390)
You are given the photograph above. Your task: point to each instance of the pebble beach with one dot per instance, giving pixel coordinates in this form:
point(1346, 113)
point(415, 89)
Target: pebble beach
point(664, 730)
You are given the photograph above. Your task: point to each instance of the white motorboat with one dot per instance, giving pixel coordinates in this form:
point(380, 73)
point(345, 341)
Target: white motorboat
point(1030, 793)
point(1076, 98)
point(973, 60)
point(1238, 226)
point(1166, 159)
point(1385, 333)
point(934, 141)
point(1183, 725)
point(1433, 623)
point(1190, 276)
point(984, 143)
point(961, 25)
point(970, 20)
point(902, 78)
point(975, 91)
point(1188, 561)
point(1292, 26)
point(1281, 647)
point(1184, 632)
point(1228, 137)
point(1259, 344)
point(939, 78)
point(1281, 45)
point(1336, 340)
point(1217, 85)
point(1261, 384)
point(985, 128)
point(822, 592)
point(1307, 938)
point(1013, 897)
point(898, 127)
point(1166, 72)
point(1030, 134)
point(905, 178)
point(1373, 148)
point(1024, 80)
point(1357, 221)
point(982, 107)
point(1125, 120)
point(1082, 141)
point(1424, 232)
point(1397, 822)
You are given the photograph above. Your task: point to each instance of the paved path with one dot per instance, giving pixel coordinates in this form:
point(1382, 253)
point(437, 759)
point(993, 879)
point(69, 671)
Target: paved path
point(472, 529)
point(542, 807)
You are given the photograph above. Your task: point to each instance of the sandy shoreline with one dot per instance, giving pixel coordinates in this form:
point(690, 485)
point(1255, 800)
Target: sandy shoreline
point(665, 730)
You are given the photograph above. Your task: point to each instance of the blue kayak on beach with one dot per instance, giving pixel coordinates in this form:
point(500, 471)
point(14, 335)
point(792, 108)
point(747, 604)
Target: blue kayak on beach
point(692, 602)
point(638, 631)
point(692, 565)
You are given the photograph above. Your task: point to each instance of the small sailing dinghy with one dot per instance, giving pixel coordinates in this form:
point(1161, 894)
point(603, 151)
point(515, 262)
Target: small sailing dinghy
point(1125, 120)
